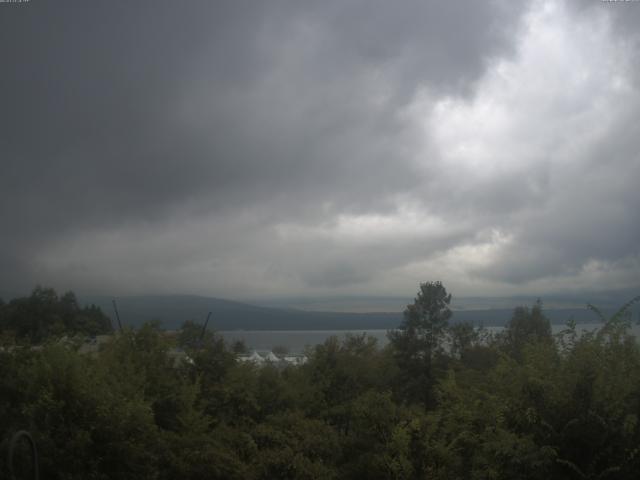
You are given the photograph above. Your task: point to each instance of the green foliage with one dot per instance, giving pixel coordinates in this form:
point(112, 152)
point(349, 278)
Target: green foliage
point(192, 335)
point(341, 370)
point(291, 446)
point(462, 337)
point(44, 314)
point(525, 327)
point(516, 406)
point(418, 341)
point(82, 422)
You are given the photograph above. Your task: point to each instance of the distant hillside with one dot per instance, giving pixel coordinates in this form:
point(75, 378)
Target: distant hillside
point(173, 310)
point(609, 300)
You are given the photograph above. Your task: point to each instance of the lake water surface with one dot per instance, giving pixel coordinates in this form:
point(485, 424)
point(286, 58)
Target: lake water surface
point(297, 340)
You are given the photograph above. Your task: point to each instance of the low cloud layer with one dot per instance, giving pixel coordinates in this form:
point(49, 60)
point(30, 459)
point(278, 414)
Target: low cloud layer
point(284, 148)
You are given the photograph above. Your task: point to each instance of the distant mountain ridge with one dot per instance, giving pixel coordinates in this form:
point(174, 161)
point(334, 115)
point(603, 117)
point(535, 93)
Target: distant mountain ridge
point(173, 310)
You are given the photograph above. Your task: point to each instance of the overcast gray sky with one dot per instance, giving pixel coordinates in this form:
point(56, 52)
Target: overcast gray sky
point(250, 149)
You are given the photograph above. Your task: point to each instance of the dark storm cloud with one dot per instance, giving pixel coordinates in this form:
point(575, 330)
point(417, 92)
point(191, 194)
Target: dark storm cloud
point(221, 147)
point(117, 113)
point(93, 95)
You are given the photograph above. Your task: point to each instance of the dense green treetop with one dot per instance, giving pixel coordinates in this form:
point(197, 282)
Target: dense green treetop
point(525, 327)
point(457, 404)
point(419, 339)
point(45, 314)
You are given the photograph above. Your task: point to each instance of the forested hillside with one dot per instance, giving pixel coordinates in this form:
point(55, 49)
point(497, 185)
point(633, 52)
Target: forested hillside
point(441, 401)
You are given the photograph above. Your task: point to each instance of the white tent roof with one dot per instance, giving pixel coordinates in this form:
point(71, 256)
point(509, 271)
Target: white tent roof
point(270, 357)
point(255, 357)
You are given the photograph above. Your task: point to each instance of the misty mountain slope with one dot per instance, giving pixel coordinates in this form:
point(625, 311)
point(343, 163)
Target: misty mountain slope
point(173, 310)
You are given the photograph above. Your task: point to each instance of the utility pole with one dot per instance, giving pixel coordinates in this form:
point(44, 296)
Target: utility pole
point(204, 328)
point(115, 308)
